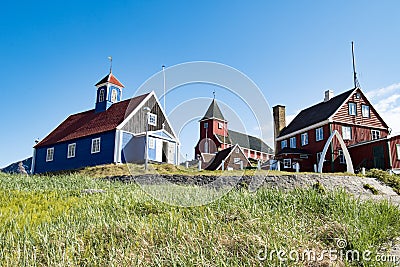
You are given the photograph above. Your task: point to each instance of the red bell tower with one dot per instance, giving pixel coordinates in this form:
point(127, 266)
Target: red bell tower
point(213, 131)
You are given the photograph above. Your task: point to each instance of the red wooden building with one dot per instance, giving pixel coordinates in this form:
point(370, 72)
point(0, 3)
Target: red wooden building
point(365, 133)
point(215, 136)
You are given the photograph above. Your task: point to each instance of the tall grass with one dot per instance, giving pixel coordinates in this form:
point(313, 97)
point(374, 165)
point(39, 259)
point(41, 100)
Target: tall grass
point(48, 221)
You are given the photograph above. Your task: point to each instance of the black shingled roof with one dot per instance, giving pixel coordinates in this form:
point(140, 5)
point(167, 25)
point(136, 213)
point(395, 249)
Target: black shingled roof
point(246, 141)
point(219, 157)
point(316, 113)
point(213, 112)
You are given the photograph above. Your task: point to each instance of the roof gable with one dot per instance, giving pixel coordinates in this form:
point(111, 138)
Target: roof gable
point(317, 113)
point(89, 122)
point(111, 79)
point(213, 112)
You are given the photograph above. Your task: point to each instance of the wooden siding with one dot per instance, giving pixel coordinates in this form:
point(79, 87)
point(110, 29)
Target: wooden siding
point(229, 161)
point(359, 133)
point(83, 156)
point(137, 124)
point(394, 141)
point(343, 116)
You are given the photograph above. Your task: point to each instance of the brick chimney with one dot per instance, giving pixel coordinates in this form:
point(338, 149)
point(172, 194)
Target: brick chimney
point(279, 112)
point(328, 95)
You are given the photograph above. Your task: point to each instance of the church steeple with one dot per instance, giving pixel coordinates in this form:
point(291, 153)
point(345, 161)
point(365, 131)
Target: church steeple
point(109, 91)
point(213, 112)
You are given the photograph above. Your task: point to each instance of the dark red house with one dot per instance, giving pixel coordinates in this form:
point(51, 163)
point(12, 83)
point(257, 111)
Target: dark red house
point(215, 136)
point(365, 133)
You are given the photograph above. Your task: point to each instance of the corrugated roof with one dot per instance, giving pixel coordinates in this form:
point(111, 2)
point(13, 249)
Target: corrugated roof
point(89, 122)
point(213, 112)
point(316, 113)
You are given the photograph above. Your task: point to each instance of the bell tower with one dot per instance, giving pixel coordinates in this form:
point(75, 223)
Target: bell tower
point(109, 91)
point(213, 131)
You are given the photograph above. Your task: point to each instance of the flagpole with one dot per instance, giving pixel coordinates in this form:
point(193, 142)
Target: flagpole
point(163, 70)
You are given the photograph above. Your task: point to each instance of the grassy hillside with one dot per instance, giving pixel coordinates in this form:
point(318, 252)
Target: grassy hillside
point(49, 221)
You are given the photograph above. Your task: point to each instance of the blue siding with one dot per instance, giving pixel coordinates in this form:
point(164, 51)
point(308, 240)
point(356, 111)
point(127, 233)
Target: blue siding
point(132, 148)
point(83, 156)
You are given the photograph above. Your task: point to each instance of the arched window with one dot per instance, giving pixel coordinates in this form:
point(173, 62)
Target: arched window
point(114, 96)
point(101, 95)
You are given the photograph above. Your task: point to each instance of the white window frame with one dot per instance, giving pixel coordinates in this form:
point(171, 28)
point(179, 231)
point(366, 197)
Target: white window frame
point(283, 144)
point(152, 119)
point(114, 95)
point(152, 143)
point(304, 139)
point(237, 150)
point(398, 151)
point(237, 160)
point(71, 150)
point(287, 163)
point(319, 134)
point(220, 126)
point(352, 109)
point(346, 133)
point(101, 95)
point(50, 154)
point(96, 145)
point(293, 142)
point(205, 125)
point(375, 134)
point(342, 159)
point(366, 111)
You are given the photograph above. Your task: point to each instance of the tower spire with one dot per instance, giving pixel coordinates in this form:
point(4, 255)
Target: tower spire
point(214, 93)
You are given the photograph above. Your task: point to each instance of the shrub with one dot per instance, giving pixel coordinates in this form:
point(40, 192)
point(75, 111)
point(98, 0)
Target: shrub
point(371, 188)
point(383, 176)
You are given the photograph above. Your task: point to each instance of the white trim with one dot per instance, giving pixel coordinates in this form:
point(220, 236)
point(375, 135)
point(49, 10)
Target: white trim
point(122, 124)
point(70, 145)
point(47, 154)
point(290, 163)
point(317, 125)
point(117, 146)
point(92, 151)
point(375, 131)
point(346, 153)
point(248, 161)
point(33, 161)
point(398, 151)
point(368, 142)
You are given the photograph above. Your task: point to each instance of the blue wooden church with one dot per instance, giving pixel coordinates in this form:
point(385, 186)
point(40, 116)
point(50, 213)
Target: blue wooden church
point(113, 132)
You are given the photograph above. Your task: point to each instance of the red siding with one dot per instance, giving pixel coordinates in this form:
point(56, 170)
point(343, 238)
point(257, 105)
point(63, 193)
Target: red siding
point(394, 142)
point(374, 121)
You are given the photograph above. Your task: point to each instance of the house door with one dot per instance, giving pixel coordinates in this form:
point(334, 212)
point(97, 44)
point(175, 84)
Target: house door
point(165, 152)
point(379, 159)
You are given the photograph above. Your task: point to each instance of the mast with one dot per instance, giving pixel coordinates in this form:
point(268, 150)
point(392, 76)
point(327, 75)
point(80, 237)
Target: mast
point(356, 83)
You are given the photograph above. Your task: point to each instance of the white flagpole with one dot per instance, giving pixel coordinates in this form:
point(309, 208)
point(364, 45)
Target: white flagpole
point(163, 69)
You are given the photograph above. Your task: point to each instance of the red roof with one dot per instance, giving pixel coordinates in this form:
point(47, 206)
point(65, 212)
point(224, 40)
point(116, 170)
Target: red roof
point(111, 79)
point(89, 122)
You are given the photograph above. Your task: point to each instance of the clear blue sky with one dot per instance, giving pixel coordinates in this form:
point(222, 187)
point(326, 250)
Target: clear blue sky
point(53, 52)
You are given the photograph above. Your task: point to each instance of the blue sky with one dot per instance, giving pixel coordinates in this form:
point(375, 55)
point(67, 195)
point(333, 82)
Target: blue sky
point(53, 52)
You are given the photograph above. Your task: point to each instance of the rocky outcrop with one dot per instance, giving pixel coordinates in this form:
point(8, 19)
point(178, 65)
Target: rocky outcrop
point(354, 185)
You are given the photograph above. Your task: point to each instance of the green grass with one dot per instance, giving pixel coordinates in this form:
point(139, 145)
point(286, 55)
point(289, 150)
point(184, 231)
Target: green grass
point(47, 221)
point(383, 176)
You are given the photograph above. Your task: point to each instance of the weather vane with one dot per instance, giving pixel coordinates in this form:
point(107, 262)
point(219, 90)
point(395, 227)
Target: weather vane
point(110, 58)
point(214, 93)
